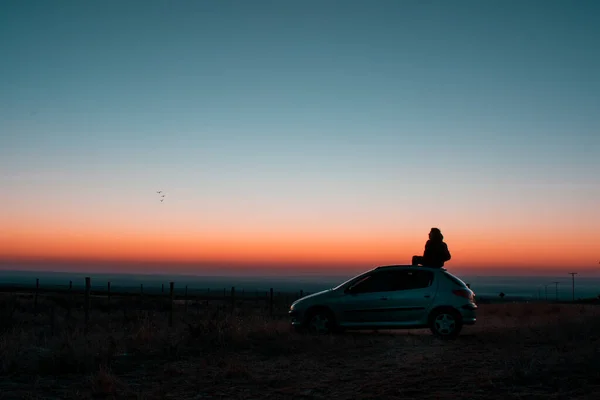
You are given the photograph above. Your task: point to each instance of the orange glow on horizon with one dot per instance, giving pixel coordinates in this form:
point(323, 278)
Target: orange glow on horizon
point(468, 251)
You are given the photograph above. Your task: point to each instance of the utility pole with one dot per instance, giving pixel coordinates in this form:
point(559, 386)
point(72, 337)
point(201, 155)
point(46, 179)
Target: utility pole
point(546, 290)
point(573, 280)
point(556, 283)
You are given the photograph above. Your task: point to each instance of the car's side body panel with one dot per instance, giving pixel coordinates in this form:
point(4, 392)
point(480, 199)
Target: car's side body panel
point(407, 308)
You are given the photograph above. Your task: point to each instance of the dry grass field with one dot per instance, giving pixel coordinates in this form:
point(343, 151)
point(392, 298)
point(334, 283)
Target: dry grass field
point(523, 351)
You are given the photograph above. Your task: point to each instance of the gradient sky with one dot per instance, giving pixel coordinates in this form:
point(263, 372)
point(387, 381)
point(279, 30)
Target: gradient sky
point(331, 134)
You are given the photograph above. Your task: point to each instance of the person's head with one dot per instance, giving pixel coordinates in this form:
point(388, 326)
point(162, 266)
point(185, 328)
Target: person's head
point(436, 234)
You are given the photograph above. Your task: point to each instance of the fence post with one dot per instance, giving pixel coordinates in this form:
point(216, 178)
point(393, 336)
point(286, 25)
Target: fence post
point(35, 296)
point(108, 300)
point(186, 299)
point(198, 301)
point(52, 320)
point(70, 299)
point(232, 299)
point(271, 302)
point(86, 303)
point(171, 284)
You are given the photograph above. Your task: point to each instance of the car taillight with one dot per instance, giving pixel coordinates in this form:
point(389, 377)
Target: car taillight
point(467, 294)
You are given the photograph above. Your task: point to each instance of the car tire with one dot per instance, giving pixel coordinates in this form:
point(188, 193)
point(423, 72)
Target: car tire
point(445, 323)
point(320, 322)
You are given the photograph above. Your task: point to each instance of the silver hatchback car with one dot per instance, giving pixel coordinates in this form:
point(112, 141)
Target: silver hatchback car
point(390, 297)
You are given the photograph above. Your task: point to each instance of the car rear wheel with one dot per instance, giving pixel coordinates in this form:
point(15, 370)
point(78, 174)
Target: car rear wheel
point(320, 322)
point(445, 323)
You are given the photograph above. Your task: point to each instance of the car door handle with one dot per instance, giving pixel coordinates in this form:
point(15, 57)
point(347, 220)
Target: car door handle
point(383, 298)
point(427, 296)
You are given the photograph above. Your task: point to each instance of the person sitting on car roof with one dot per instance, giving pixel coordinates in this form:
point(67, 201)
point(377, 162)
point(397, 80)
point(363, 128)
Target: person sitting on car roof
point(436, 251)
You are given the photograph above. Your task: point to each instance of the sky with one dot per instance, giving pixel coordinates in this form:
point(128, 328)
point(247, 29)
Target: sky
point(289, 135)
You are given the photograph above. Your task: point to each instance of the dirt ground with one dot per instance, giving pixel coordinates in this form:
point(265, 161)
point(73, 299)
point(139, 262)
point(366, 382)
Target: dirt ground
point(515, 351)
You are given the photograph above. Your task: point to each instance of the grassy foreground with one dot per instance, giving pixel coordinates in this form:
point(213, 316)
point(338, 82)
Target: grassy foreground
point(129, 352)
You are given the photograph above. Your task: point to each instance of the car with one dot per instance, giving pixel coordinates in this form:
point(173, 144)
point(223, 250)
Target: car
point(390, 297)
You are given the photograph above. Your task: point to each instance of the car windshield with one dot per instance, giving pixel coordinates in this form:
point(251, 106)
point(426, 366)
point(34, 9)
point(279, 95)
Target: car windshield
point(354, 278)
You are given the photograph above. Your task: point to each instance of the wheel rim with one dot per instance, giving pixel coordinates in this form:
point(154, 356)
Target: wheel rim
point(445, 324)
point(319, 323)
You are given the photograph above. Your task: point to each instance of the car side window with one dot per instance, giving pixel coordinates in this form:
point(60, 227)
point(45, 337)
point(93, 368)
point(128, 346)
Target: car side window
point(412, 279)
point(375, 282)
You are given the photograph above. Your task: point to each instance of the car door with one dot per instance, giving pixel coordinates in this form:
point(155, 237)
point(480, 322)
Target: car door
point(367, 301)
point(415, 289)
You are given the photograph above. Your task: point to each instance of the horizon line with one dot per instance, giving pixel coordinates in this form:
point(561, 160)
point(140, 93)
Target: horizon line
point(274, 273)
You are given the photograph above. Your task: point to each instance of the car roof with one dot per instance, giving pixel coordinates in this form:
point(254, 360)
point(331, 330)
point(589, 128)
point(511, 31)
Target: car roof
point(400, 266)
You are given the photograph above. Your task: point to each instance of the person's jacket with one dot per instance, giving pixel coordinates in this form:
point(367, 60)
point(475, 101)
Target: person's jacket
point(436, 254)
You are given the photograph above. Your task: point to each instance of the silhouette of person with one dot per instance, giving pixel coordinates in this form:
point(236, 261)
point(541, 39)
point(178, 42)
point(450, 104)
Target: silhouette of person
point(436, 251)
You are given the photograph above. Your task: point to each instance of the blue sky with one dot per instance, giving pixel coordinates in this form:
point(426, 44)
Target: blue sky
point(287, 102)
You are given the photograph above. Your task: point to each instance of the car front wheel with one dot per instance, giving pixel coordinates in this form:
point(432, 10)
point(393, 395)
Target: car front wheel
point(320, 322)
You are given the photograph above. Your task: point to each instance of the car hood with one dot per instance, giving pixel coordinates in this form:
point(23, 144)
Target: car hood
point(313, 296)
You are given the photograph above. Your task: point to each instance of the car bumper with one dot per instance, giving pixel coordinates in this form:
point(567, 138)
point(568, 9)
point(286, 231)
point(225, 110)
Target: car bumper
point(295, 317)
point(468, 314)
